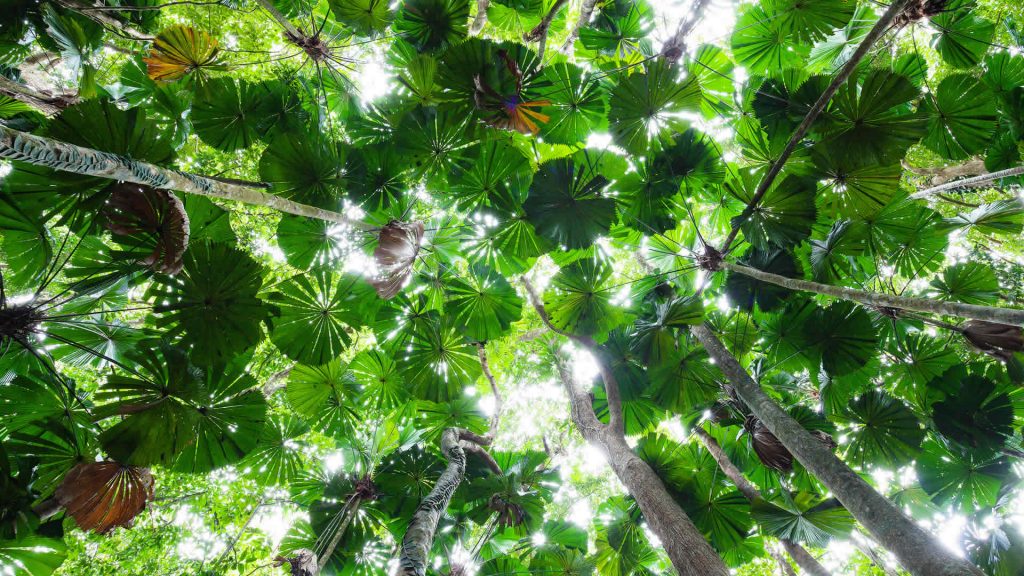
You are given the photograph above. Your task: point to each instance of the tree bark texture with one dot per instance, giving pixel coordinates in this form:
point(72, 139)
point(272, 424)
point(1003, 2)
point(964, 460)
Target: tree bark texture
point(106, 20)
point(586, 11)
point(419, 536)
point(45, 103)
point(1011, 316)
point(24, 147)
point(481, 17)
point(689, 552)
point(917, 550)
point(969, 182)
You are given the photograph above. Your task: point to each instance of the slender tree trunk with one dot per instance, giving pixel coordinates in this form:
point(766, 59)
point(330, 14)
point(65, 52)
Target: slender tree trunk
point(540, 33)
point(481, 17)
point(1009, 316)
point(784, 566)
point(877, 31)
point(917, 550)
point(804, 559)
point(801, 556)
point(481, 351)
point(24, 147)
point(45, 103)
point(865, 546)
point(349, 512)
point(943, 174)
point(586, 11)
point(690, 553)
point(969, 182)
point(291, 31)
point(419, 537)
point(676, 45)
point(106, 21)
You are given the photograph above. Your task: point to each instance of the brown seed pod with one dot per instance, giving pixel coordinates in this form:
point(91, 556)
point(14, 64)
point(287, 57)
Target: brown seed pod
point(397, 247)
point(101, 496)
point(997, 340)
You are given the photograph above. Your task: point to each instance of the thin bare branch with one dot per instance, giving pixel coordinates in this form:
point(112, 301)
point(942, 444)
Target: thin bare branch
point(481, 17)
point(969, 182)
point(586, 11)
point(481, 352)
point(880, 28)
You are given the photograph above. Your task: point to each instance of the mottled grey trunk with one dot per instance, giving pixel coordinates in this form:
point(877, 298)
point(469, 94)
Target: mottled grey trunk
point(809, 564)
point(348, 513)
point(917, 550)
point(690, 553)
point(800, 555)
point(883, 25)
point(1009, 316)
point(106, 20)
point(586, 11)
point(291, 31)
point(45, 103)
point(969, 182)
point(481, 17)
point(419, 537)
point(24, 147)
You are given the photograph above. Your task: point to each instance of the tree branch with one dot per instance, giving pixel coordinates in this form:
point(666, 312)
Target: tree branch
point(484, 455)
point(540, 32)
point(675, 47)
point(1010, 316)
point(481, 352)
point(586, 11)
point(291, 31)
point(24, 147)
point(45, 103)
point(969, 182)
point(876, 32)
point(943, 174)
point(480, 20)
point(106, 21)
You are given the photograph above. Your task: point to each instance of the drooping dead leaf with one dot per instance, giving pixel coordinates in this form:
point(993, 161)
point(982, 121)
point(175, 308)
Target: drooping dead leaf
point(101, 496)
point(153, 217)
point(768, 448)
point(997, 340)
point(397, 247)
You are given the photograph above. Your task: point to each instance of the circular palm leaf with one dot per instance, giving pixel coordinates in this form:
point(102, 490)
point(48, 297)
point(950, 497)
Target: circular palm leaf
point(101, 496)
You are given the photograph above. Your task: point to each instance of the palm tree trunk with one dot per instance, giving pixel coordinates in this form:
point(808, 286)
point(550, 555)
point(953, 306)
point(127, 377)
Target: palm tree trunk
point(106, 21)
point(689, 552)
point(917, 550)
point(969, 182)
point(349, 511)
point(1009, 316)
point(419, 537)
point(586, 11)
point(481, 17)
point(46, 104)
point(877, 31)
point(800, 555)
point(291, 31)
point(24, 147)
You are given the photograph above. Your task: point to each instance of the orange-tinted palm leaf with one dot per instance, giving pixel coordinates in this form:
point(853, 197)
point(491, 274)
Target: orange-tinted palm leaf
point(101, 496)
point(179, 51)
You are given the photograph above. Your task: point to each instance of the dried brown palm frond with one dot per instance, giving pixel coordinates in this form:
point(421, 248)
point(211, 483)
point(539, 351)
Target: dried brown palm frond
point(397, 247)
point(101, 496)
point(768, 448)
point(153, 217)
point(997, 340)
